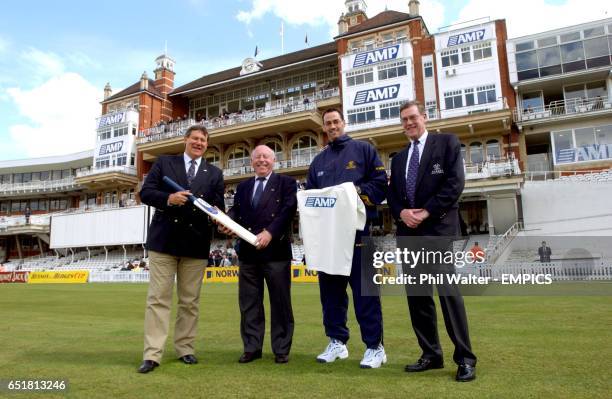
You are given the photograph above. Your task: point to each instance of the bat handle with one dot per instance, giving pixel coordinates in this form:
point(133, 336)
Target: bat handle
point(176, 186)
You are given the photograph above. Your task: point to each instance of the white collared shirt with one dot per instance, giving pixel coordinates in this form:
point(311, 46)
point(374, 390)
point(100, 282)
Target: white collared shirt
point(187, 160)
point(421, 141)
point(263, 182)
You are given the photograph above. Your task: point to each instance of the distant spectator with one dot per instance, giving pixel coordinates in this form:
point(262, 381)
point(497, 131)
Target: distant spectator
point(544, 252)
point(477, 252)
point(28, 213)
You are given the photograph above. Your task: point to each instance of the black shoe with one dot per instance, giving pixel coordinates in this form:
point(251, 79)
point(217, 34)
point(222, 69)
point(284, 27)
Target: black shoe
point(424, 364)
point(147, 365)
point(248, 357)
point(466, 373)
point(281, 359)
point(188, 359)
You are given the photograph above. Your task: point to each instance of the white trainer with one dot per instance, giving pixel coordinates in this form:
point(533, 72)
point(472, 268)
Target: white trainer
point(335, 350)
point(373, 358)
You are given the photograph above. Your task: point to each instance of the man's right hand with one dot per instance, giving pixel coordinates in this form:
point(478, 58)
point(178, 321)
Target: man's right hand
point(179, 198)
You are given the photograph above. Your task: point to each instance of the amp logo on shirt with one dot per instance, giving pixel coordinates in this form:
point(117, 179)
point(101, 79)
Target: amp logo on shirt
point(320, 202)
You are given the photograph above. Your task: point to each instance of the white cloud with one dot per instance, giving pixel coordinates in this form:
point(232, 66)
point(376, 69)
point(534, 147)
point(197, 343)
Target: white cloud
point(525, 17)
point(42, 64)
point(327, 12)
point(4, 45)
point(60, 116)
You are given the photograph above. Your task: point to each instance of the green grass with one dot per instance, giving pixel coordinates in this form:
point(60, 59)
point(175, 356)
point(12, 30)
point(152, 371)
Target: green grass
point(528, 347)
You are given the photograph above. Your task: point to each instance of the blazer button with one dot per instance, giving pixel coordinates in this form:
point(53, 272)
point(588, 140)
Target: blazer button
point(175, 220)
point(190, 225)
point(277, 200)
point(249, 229)
point(272, 215)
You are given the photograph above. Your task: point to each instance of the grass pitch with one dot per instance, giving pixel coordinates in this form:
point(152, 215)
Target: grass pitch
point(91, 334)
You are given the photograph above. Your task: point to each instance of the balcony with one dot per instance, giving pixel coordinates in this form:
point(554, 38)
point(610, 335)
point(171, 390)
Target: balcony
point(492, 169)
point(299, 163)
point(492, 177)
point(111, 177)
point(239, 119)
point(49, 186)
point(563, 109)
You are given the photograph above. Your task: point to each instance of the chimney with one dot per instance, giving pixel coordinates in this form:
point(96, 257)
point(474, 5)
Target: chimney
point(413, 8)
point(107, 91)
point(342, 25)
point(144, 81)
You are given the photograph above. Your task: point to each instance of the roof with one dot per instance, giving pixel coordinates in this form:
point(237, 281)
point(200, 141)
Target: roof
point(268, 64)
point(83, 158)
point(383, 19)
point(134, 89)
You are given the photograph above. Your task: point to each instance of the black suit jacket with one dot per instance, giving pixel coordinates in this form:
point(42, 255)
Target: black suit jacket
point(275, 212)
point(181, 230)
point(439, 185)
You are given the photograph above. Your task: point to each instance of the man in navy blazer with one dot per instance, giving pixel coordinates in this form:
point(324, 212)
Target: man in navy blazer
point(266, 205)
point(427, 179)
point(178, 243)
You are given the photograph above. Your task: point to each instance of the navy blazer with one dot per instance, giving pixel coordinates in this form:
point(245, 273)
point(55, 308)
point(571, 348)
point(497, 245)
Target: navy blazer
point(440, 182)
point(275, 213)
point(181, 230)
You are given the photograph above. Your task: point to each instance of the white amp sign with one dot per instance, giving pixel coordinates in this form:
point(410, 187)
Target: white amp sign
point(591, 152)
point(376, 56)
point(466, 36)
point(112, 119)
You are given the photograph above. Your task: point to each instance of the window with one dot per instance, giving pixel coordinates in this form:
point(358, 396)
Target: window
point(533, 101)
point(527, 65)
point(390, 110)
point(572, 56)
point(5, 179)
point(486, 94)
point(355, 45)
point(431, 109)
point(598, 31)
point(550, 61)
point(65, 173)
point(466, 55)
point(239, 157)
point(450, 58)
point(428, 69)
point(121, 160)
point(604, 134)
point(4, 206)
point(43, 205)
point(562, 141)
point(387, 39)
point(597, 52)
point(27, 177)
point(453, 99)
point(213, 158)
point(303, 151)
point(102, 163)
point(469, 97)
point(44, 175)
point(17, 178)
point(360, 77)
point(547, 41)
point(361, 115)
point(393, 70)
point(400, 36)
point(482, 51)
point(120, 131)
point(584, 137)
point(524, 46)
point(569, 37)
point(36, 176)
point(476, 155)
point(368, 43)
point(277, 148)
point(493, 151)
point(104, 134)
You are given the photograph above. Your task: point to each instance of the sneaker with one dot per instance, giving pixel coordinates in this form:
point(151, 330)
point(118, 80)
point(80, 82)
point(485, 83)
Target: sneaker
point(335, 350)
point(373, 358)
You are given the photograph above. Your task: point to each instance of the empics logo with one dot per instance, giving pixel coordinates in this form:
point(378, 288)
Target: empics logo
point(378, 94)
point(320, 202)
point(110, 148)
point(372, 57)
point(467, 37)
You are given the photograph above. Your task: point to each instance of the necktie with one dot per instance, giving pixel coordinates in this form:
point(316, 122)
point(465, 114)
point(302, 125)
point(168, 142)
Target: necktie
point(258, 191)
point(191, 172)
point(413, 172)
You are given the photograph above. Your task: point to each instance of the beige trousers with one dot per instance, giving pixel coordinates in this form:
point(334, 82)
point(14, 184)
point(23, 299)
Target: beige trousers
point(189, 273)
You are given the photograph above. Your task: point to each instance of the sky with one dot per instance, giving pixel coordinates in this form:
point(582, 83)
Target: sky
point(56, 57)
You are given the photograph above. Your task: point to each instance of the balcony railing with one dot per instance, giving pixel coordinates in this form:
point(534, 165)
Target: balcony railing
point(279, 108)
point(562, 108)
point(38, 186)
point(493, 168)
point(375, 46)
point(299, 161)
point(128, 170)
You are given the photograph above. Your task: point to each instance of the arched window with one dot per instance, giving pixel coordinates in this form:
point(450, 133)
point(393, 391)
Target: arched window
point(277, 148)
point(303, 151)
point(213, 157)
point(493, 150)
point(476, 155)
point(239, 157)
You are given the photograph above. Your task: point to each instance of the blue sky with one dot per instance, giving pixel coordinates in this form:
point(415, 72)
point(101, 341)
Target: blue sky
point(56, 57)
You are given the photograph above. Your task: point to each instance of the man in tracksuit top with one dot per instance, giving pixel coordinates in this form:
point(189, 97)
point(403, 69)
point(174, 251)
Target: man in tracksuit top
point(347, 160)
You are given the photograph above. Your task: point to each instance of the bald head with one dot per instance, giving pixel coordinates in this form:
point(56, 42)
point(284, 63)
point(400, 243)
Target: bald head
point(262, 160)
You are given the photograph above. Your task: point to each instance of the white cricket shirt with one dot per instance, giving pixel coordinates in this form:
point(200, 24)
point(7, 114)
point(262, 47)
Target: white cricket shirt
point(329, 220)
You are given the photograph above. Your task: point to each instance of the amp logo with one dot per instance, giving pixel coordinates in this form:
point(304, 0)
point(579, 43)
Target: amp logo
point(467, 37)
point(320, 202)
point(111, 119)
point(372, 57)
point(110, 148)
point(378, 94)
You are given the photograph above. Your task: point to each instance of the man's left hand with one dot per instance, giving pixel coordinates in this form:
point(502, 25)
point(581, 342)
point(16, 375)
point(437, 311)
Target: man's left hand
point(263, 239)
